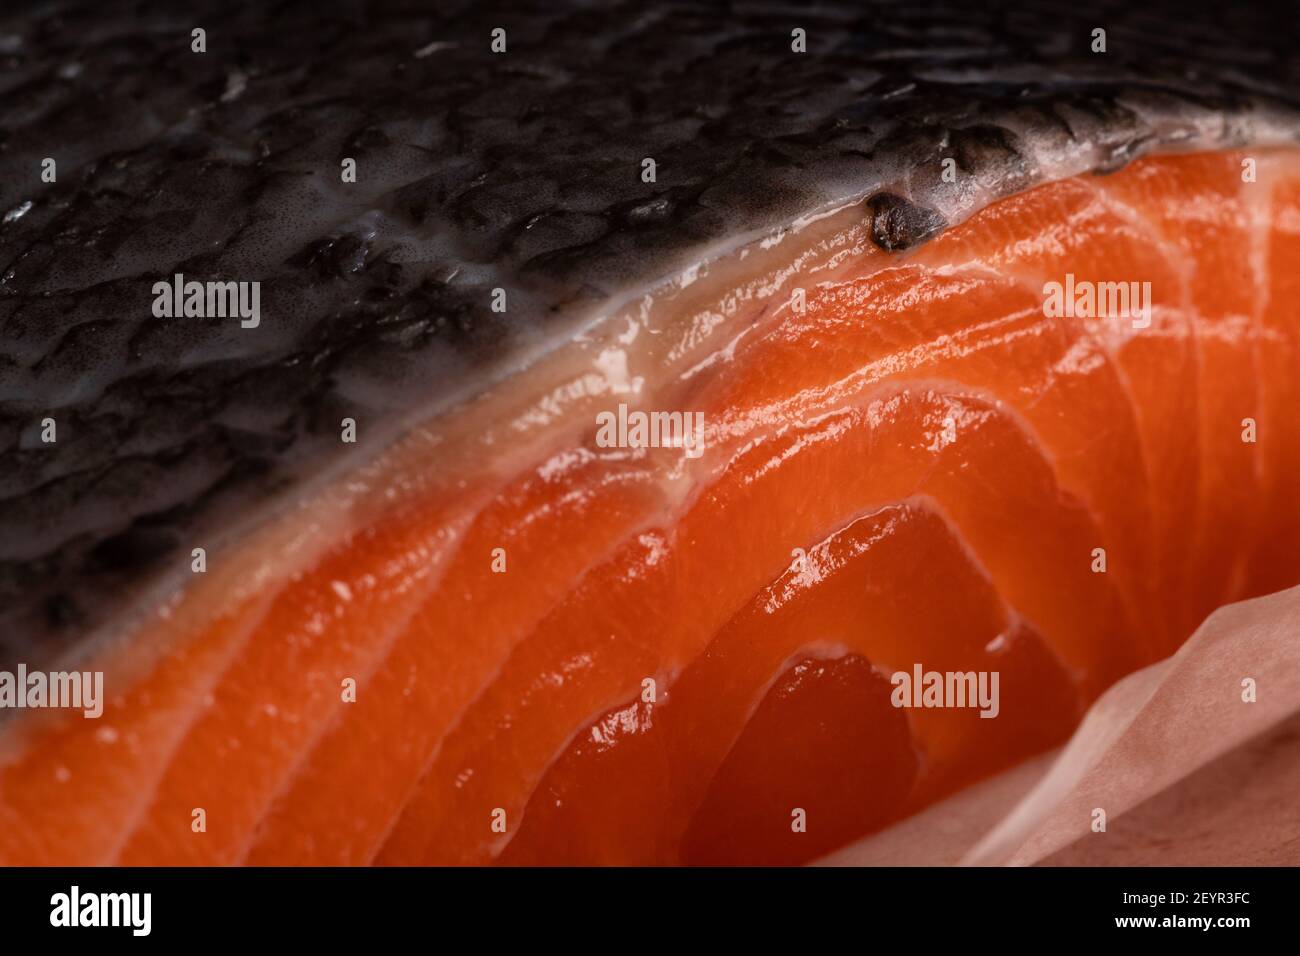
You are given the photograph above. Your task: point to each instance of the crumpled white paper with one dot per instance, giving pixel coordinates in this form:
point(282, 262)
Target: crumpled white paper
point(1185, 770)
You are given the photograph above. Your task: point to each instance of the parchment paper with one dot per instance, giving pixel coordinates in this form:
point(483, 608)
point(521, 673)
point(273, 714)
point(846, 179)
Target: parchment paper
point(1185, 770)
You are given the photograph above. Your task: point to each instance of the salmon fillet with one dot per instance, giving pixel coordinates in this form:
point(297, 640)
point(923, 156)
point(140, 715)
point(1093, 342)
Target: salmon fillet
point(1032, 419)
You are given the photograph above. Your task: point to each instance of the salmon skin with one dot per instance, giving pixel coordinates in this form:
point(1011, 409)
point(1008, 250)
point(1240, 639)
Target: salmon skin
point(615, 435)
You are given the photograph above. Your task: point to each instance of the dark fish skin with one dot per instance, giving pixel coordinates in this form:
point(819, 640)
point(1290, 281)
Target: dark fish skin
point(475, 170)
